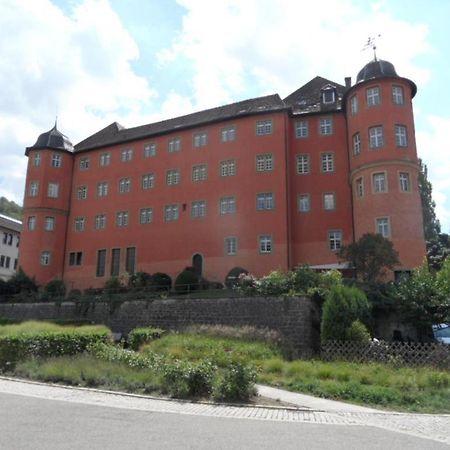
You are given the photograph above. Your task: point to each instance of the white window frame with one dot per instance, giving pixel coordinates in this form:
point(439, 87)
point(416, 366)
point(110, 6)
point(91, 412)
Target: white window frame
point(265, 244)
point(373, 96)
point(329, 201)
point(49, 223)
point(301, 129)
point(200, 139)
point(56, 160)
point(45, 258)
point(264, 162)
point(264, 127)
point(327, 162)
point(398, 96)
point(149, 150)
point(79, 224)
point(198, 209)
point(37, 158)
point(145, 215)
point(171, 212)
point(148, 181)
point(383, 226)
point(265, 201)
point(34, 189)
point(82, 192)
point(404, 182)
point(228, 168)
point(303, 164)
point(326, 126)
point(379, 182)
point(230, 245)
point(102, 189)
point(53, 190)
point(228, 134)
point(84, 163)
point(172, 177)
point(304, 202)
point(124, 185)
point(376, 137)
point(100, 221)
point(227, 205)
point(401, 136)
point(359, 187)
point(199, 172)
point(126, 155)
point(354, 105)
point(105, 159)
point(174, 145)
point(122, 218)
point(31, 223)
point(356, 138)
point(335, 240)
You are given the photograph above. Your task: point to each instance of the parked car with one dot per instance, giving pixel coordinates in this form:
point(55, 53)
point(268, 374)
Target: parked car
point(441, 333)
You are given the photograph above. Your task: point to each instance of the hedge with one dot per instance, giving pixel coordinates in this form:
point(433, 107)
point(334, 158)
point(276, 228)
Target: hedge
point(139, 336)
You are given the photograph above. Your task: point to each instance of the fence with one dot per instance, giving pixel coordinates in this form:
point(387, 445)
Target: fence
point(396, 353)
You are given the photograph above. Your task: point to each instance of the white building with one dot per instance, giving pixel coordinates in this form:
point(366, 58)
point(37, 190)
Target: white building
point(9, 245)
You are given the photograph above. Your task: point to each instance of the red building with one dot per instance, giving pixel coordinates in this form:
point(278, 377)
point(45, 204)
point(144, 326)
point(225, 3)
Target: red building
point(262, 184)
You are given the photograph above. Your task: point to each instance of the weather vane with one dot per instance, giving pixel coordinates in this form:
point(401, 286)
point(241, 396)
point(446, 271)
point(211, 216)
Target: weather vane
point(371, 41)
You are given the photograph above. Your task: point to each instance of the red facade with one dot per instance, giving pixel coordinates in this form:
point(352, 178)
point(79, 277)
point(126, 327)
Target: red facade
point(263, 184)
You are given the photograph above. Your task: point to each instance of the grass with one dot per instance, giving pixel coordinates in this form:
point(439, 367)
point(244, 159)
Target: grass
point(32, 327)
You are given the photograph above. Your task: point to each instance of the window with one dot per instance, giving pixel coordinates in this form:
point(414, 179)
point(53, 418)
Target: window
point(397, 95)
point(401, 138)
point(172, 177)
point(198, 209)
point(122, 218)
point(126, 155)
point(79, 224)
point(53, 189)
point(31, 223)
point(124, 185)
point(101, 263)
point(356, 144)
point(227, 205)
point(263, 127)
point(174, 145)
point(354, 105)
point(230, 245)
point(379, 182)
point(327, 162)
point(130, 260)
point(82, 192)
point(359, 187)
point(148, 181)
point(228, 168)
point(56, 160)
point(75, 258)
point(34, 189)
point(304, 203)
point(264, 201)
point(328, 95)
point(105, 159)
point(405, 185)
point(146, 215)
point(84, 163)
point(49, 223)
point(37, 159)
point(265, 244)
point(301, 129)
point(115, 262)
point(376, 137)
point(373, 96)
point(149, 150)
point(264, 163)
point(326, 126)
point(329, 201)
point(302, 164)
point(228, 134)
point(382, 226)
point(45, 258)
point(170, 213)
point(7, 238)
point(102, 189)
point(199, 172)
point(100, 221)
point(334, 240)
point(200, 139)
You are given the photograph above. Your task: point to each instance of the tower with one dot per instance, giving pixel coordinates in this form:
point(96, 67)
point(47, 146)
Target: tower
point(383, 160)
point(46, 206)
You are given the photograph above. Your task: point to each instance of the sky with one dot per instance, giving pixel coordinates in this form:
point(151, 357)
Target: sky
point(93, 62)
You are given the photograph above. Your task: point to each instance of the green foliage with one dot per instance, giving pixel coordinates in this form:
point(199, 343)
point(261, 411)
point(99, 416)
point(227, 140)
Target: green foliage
point(161, 281)
point(232, 278)
point(113, 284)
point(55, 288)
point(275, 283)
point(139, 336)
point(186, 281)
point(10, 208)
point(38, 339)
point(20, 282)
point(438, 250)
point(304, 278)
point(236, 383)
point(358, 332)
point(371, 255)
point(140, 280)
point(343, 306)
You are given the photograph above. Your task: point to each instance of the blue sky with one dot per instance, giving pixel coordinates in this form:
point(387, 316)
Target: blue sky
point(92, 62)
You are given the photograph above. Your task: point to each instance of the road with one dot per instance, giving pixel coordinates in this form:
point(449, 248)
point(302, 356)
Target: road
point(70, 420)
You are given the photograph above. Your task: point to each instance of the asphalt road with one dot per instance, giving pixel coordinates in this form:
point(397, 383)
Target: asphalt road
point(38, 423)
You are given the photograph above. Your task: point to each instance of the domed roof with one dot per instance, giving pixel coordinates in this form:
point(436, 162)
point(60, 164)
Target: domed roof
point(376, 69)
point(53, 139)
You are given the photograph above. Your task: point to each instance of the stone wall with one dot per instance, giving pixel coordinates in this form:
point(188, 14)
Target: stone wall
point(296, 319)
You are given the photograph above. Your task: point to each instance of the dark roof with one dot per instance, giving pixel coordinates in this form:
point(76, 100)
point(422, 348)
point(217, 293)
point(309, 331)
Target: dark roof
point(116, 134)
point(307, 99)
point(52, 139)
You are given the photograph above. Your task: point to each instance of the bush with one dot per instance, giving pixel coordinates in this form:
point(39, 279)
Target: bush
point(236, 384)
point(343, 305)
point(20, 282)
point(140, 280)
point(139, 336)
point(161, 281)
point(113, 285)
point(305, 278)
point(276, 283)
point(186, 282)
point(232, 279)
point(358, 332)
point(55, 288)
point(41, 339)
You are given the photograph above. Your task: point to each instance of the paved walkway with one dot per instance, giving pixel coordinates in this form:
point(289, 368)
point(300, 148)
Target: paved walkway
point(308, 410)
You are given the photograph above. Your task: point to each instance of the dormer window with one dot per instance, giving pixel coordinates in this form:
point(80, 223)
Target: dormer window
point(328, 94)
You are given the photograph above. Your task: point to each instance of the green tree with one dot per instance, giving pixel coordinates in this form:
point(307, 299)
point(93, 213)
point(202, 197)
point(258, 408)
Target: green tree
point(438, 251)
point(11, 209)
point(431, 225)
point(371, 256)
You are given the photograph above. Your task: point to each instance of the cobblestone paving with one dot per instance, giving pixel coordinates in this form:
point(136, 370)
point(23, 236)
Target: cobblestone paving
point(435, 427)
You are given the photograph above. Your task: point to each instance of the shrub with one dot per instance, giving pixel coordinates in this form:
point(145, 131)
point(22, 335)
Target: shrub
point(358, 332)
point(74, 294)
point(186, 281)
point(161, 281)
point(276, 283)
point(140, 280)
point(305, 278)
point(139, 336)
point(236, 384)
point(55, 288)
point(40, 339)
point(342, 307)
point(21, 282)
point(232, 279)
point(113, 285)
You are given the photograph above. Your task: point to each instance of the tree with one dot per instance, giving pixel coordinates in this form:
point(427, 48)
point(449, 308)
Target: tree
point(431, 225)
point(371, 255)
point(11, 209)
point(438, 251)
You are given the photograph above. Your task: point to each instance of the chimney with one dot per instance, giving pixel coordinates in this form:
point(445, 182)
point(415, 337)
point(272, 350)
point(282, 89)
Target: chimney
point(348, 82)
